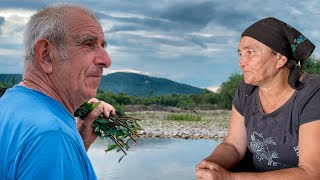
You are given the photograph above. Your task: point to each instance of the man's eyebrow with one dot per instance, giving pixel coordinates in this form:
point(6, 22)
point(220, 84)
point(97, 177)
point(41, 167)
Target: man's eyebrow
point(87, 39)
point(83, 40)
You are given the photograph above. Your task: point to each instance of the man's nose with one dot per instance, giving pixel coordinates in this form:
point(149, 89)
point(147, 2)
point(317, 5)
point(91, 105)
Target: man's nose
point(103, 58)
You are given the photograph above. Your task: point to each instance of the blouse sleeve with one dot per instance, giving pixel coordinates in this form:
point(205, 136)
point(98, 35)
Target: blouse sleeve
point(311, 109)
point(239, 98)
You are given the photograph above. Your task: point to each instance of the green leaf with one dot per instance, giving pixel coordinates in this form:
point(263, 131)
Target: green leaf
point(119, 111)
point(98, 134)
point(95, 105)
point(112, 131)
point(111, 147)
point(119, 133)
point(124, 129)
point(97, 129)
point(100, 120)
point(127, 144)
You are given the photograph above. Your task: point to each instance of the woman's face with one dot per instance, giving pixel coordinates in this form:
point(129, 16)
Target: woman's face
point(257, 61)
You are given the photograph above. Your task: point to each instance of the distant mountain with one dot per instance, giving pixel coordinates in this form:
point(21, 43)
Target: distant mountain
point(142, 85)
point(132, 84)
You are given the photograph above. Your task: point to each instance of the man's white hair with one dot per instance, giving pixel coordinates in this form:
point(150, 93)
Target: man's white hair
point(49, 23)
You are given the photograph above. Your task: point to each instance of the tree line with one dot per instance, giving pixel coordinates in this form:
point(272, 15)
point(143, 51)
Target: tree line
point(222, 99)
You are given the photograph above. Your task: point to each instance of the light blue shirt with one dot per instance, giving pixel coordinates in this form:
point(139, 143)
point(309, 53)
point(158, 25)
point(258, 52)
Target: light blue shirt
point(39, 139)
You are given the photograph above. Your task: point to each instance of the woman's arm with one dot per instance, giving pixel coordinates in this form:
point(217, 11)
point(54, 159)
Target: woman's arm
point(233, 148)
point(309, 161)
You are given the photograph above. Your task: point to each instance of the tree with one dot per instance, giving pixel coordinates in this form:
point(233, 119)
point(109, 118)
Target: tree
point(312, 65)
point(227, 90)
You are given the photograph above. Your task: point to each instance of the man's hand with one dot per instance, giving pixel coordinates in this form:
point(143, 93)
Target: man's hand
point(207, 170)
point(85, 125)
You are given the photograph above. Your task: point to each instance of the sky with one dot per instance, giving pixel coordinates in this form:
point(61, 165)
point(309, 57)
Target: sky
point(189, 41)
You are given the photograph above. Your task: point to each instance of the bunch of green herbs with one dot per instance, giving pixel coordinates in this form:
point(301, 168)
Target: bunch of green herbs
point(121, 129)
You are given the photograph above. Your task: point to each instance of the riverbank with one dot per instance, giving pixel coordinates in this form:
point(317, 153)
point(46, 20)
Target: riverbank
point(211, 124)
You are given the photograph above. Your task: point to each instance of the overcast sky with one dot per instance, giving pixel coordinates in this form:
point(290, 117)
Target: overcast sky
point(189, 41)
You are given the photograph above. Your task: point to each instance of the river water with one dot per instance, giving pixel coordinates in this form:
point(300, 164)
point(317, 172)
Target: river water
point(151, 159)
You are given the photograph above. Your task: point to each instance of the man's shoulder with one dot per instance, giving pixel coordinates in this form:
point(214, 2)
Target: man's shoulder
point(31, 115)
point(33, 108)
point(28, 115)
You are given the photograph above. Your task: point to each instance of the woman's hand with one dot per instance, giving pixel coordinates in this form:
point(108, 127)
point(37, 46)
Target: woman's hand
point(207, 170)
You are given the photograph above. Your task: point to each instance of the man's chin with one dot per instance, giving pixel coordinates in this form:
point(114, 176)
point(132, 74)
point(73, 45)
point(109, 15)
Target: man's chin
point(91, 93)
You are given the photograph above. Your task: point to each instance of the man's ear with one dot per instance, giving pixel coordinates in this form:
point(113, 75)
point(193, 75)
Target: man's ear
point(282, 60)
point(42, 51)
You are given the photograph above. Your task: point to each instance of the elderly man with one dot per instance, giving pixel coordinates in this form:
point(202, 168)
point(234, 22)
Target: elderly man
point(65, 56)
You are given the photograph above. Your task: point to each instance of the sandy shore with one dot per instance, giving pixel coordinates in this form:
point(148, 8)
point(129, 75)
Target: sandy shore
point(213, 125)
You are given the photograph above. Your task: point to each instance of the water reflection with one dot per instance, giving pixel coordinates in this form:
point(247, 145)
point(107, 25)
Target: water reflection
point(151, 159)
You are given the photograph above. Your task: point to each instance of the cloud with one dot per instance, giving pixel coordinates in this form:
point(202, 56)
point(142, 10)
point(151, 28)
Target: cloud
point(213, 88)
point(9, 52)
point(194, 15)
point(13, 23)
point(197, 15)
point(193, 42)
point(1, 23)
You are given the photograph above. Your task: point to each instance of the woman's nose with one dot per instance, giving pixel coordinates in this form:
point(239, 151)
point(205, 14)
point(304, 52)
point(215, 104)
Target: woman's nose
point(242, 62)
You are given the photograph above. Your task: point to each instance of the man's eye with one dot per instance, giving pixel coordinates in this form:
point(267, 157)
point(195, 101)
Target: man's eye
point(89, 44)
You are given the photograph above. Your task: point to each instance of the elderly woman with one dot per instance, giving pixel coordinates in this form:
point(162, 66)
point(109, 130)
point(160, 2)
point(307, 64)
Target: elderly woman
point(276, 110)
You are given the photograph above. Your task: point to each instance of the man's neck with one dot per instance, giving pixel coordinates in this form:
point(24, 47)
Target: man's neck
point(41, 82)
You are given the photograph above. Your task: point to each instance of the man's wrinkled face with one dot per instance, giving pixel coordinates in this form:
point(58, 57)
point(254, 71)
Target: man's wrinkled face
point(85, 56)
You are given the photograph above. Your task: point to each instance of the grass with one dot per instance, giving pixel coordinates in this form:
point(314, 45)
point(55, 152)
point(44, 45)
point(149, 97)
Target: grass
point(183, 117)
